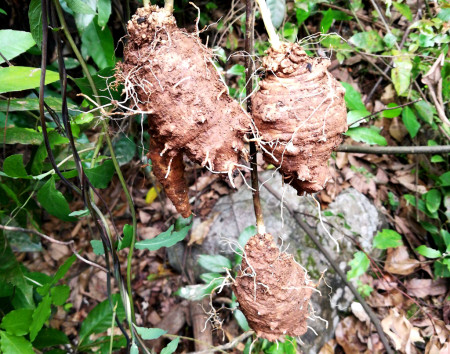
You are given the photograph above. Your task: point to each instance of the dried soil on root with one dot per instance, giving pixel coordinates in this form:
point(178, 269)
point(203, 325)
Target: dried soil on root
point(279, 305)
point(300, 110)
point(170, 72)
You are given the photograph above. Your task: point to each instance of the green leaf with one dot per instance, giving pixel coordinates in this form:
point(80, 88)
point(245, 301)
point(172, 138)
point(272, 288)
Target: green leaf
point(50, 337)
point(302, 16)
point(134, 349)
point(410, 121)
point(127, 237)
point(329, 16)
point(101, 175)
point(352, 98)
point(17, 322)
point(32, 104)
point(444, 179)
point(367, 135)
point(442, 268)
point(444, 14)
point(370, 41)
point(53, 201)
point(84, 118)
point(236, 69)
point(198, 291)
point(425, 111)
point(392, 113)
point(99, 44)
point(80, 213)
point(125, 149)
point(60, 294)
point(171, 347)
point(104, 12)
point(14, 43)
point(215, 263)
point(99, 319)
point(35, 19)
point(19, 78)
point(401, 73)
point(433, 200)
point(3, 12)
point(97, 246)
point(165, 239)
point(387, 239)
point(390, 40)
point(245, 235)
point(359, 265)
point(16, 135)
point(437, 159)
point(277, 10)
point(14, 345)
point(354, 116)
point(290, 32)
point(40, 316)
point(241, 320)
point(404, 10)
point(62, 270)
point(13, 166)
point(181, 222)
point(428, 252)
point(80, 7)
point(150, 333)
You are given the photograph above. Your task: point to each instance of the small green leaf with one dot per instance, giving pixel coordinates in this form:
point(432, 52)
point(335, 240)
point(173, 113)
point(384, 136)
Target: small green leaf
point(80, 213)
point(99, 44)
point(150, 333)
point(302, 15)
point(171, 347)
point(359, 265)
point(215, 263)
point(53, 201)
point(99, 319)
point(84, 118)
point(10, 344)
point(181, 222)
point(425, 111)
point(433, 200)
point(60, 294)
point(332, 15)
point(40, 316)
point(13, 166)
point(277, 10)
point(35, 19)
point(16, 135)
point(401, 73)
point(134, 349)
point(245, 235)
point(97, 247)
point(444, 14)
point(19, 78)
point(62, 270)
point(50, 337)
point(367, 135)
point(14, 43)
point(387, 239)
point(437, 159)
point(32, 104)
point(370, 41)
point(101, 175)
point(241, 320)
point(428, 252)
point(80, 7)
point(393, 112)
point(127, 237)
point(17, 322)
point(101, 84)
point(165, 239)
point(125, 149)
point(354, 116)
point(404, 10)
point(390, 40)
point(3, 12)
point(236, 69)
point(352, 98)
point(444, 179)
point(410, 121)
point(104, 12)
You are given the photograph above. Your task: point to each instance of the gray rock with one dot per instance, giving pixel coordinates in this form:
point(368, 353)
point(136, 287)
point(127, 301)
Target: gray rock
point(350, 216)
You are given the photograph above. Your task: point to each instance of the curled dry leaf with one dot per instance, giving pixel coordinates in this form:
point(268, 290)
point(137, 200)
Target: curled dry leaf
point(300, 114)
point(169, 74)
point(426, 287)
point(398, 261)
point(348, 333)
point(273, 290)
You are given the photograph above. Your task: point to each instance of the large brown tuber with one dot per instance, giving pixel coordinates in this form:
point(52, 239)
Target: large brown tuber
point(170, 73)
point(272, 290)
point(300, 114)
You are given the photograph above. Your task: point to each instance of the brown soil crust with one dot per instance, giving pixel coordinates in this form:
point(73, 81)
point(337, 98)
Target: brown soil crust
point(300, 110)
point(279, 306)
point(170, 72)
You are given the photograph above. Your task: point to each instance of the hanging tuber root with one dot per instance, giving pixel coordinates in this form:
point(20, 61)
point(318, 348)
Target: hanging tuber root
point(170, 73)
point(300, 114)
point(272, 290)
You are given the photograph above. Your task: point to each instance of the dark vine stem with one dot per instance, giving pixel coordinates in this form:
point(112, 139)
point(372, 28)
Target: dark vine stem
point(249, 72)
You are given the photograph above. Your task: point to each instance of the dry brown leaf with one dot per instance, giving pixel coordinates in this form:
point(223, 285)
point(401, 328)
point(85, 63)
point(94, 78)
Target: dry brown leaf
point(347, 337)
point(328, 347)
point(397, 130)
point(203, 181)
point(408, 180)
point(58, 252)
point(201, 230)
point(426, 287)
point(388, 299)
point(341, 159)
point(398, 261)
point(401, 331)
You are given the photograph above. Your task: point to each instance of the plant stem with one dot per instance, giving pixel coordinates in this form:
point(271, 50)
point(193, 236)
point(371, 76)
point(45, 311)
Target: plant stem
point(265, 13)
point(379, 150)
point(113, 156)
point(249, 72)
point(168, 5)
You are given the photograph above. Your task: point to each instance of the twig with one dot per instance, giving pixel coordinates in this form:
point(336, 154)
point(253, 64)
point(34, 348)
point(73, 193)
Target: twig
point(335, 266)
point(70, 243)
point(393, 150)
point(227, 346)
point(249, 71)
point(384, 109)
